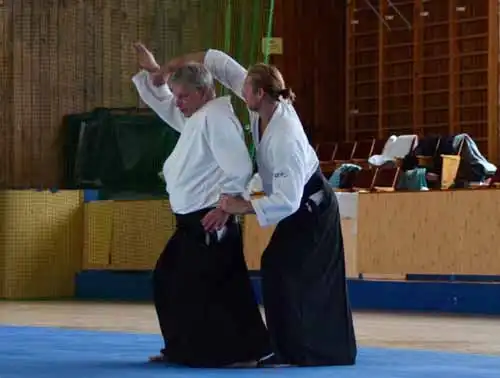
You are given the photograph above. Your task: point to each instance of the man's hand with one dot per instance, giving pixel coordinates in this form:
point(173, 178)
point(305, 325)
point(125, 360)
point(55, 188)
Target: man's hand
point(235, 205)
point(214, 220)
point(159, 79)
point(161, 75)
point(172, 65)
point(146, 59)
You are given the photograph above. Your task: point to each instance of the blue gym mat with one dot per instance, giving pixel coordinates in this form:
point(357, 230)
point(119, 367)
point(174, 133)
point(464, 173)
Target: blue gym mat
point(53, 352)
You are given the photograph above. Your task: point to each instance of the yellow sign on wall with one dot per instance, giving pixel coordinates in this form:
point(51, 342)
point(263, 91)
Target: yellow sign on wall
point(274, 46)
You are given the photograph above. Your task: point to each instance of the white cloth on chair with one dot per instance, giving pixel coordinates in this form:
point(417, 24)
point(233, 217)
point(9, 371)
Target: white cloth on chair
point(395, 147)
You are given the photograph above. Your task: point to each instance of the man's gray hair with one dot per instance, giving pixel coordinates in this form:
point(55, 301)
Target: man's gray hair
point(194, 75)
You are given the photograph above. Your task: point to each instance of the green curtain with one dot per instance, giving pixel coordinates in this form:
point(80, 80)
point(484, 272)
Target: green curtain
point(238, 37)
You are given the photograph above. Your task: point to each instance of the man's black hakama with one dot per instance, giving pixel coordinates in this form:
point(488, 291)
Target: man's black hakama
point(204, 298)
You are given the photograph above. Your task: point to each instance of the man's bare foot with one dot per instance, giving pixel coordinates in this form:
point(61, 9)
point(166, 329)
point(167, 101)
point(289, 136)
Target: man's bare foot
point(272, 361)
point(158, 358)
point(241, 365)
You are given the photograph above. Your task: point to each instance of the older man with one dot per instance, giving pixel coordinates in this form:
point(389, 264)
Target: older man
point(202, 292)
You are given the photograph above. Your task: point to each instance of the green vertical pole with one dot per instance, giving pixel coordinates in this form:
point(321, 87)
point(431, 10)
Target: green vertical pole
point(255, 42)
point(227, 34)
point(209, 27)
point(254, 47)
point(239, 48)
point(269, 32)
point(255, 31)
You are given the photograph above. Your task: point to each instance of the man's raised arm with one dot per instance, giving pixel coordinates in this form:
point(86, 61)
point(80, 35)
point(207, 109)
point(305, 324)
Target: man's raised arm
point(224, 68)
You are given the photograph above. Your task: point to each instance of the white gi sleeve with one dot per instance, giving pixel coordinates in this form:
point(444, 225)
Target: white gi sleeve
point(227, 143)
point(226, 71)
point(289, 172)
point(160, 99)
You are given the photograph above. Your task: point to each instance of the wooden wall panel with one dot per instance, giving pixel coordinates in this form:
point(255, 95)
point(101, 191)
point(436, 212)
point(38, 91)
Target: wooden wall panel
point(69, 56)
point(427, 233)
point(6, 94)
point(313, 62)
point(424, 67)
point(363, 66)
point(396, 110)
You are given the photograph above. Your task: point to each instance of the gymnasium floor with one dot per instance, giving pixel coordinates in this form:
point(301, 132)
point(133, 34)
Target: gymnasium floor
point(45, 339)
